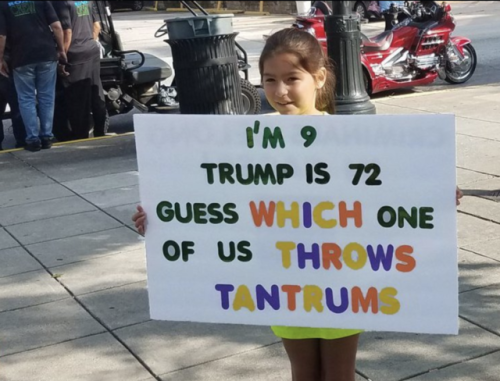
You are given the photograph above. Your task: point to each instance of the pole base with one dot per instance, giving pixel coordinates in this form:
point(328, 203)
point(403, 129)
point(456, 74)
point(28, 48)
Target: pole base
point(355, 108)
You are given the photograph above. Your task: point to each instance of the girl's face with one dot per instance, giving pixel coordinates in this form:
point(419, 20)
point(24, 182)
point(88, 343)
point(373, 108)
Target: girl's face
point(289, 88)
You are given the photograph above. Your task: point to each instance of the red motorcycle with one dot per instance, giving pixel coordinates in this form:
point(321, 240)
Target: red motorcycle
point(415, 52)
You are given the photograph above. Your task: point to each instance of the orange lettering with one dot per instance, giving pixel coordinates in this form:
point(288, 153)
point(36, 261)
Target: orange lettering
point(358, 299)
point(331, 253)
point(263, 213)
point(345, 214)
point(403, 254)
point(291, 291)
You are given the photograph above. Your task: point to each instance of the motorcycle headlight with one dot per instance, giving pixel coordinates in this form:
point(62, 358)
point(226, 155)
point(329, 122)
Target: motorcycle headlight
point(311, 31)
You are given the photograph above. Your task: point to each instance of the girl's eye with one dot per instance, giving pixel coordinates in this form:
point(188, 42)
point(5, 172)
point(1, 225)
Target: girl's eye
point(269, 80)
point(293, 79)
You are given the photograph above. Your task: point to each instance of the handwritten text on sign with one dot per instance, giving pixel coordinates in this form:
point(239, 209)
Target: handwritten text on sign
point(319, 221)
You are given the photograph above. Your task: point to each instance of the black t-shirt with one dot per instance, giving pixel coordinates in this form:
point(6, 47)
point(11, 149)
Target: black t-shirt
point(79, 17)
point(26, 25)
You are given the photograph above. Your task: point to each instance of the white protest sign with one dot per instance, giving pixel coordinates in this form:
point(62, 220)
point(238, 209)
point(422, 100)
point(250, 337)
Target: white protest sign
point(317, 221)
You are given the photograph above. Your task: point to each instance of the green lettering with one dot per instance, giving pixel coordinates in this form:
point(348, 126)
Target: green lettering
point(273, 137)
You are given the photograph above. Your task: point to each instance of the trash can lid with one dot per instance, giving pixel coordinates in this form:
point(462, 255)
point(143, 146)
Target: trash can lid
point(200, 26)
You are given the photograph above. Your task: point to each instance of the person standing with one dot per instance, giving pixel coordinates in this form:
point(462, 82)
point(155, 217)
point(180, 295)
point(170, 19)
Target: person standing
point(31, 27)
point(390, 17)
point(8, 96)
point(82, 88)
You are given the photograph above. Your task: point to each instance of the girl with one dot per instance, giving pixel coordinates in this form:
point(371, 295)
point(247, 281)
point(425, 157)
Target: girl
point(298, 79)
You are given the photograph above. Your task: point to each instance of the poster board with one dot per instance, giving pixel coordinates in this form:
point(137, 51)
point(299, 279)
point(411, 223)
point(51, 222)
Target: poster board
point(318, 221)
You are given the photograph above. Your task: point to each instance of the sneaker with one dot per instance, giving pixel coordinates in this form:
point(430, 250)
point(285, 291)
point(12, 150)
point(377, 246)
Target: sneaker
point(33, 147)
point(46, 143)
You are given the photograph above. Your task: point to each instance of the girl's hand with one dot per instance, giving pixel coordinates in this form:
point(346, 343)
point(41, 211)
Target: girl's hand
point(140, 220)
point(458, 195)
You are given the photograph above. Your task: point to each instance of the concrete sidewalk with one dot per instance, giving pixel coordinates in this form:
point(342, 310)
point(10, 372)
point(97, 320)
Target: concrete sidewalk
point(73, 302)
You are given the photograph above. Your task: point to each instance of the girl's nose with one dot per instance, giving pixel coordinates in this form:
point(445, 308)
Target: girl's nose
point(281, 90)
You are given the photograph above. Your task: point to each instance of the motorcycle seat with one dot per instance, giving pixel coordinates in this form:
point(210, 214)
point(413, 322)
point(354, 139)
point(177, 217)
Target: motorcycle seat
point(154, 69)
point(380, 42)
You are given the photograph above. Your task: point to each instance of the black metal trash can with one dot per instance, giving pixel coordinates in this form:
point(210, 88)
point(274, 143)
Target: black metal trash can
point(206, 65)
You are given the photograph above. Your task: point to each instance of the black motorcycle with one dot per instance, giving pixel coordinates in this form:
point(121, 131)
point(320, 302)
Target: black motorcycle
point(132, 79)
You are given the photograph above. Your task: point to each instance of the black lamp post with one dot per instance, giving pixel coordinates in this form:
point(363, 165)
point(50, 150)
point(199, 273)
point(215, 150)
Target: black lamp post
point(344, 40)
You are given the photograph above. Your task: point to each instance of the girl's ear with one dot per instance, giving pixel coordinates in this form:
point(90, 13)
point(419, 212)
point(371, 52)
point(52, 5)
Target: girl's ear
point(320, 78)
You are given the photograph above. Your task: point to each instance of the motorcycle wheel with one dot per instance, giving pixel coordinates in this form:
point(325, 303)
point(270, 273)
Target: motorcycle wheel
point(367, 81)
point(465, 72)
point(137, 5)
point(360, 9)
point(251, 98)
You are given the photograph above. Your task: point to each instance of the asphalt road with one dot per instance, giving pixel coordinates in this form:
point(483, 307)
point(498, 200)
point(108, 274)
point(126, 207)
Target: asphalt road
point(477, 20)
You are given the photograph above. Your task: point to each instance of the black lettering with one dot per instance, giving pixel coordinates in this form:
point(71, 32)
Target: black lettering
point(425, 218)
point(199, 211)
point(284, 171)
point(210, 171)
point(165, 212)
point(167, 252)
point(265, 174)
point(226, 171)
point(189, 213)
point(230, 212)
point(244, 248)
point(382, 213)
point(217, 216)
point(239, 174)
point(322, 175)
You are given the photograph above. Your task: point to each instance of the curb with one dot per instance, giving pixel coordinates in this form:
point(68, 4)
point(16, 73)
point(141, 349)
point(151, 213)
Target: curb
point(73, 142)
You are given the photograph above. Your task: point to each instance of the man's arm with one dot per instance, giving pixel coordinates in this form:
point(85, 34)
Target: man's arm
point(3, 34)
point(67, 36)
point(62, 9)
point(96, 30)
point(3, 66)
point(59, 36)
point(3, 40)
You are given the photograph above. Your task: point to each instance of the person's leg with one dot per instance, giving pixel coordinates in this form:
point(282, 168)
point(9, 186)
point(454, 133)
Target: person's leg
point(99, 111)
point(61, 128)
point(24, 79)
point(338, 358)
point(46, 75)
point(17, 120)
point(77, 96)
point(389, 19)
point(304, 355)
point(4, 88)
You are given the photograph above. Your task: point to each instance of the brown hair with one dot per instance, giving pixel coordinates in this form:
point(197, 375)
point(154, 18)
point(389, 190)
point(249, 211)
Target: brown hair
point(311, 58)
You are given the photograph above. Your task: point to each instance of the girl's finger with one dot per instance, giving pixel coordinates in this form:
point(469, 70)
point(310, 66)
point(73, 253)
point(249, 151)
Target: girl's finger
point(140, 209)
point(138, 215)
